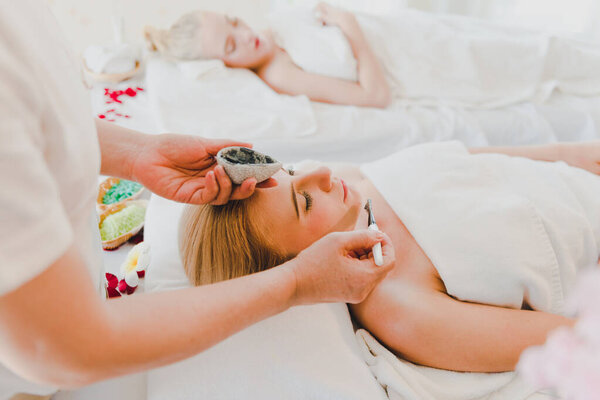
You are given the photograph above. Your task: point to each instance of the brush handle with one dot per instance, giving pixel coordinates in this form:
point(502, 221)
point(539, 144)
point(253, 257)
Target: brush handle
point(377, 252)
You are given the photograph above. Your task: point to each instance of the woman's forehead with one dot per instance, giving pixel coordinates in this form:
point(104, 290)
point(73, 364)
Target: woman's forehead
point(277, 200)
point(214, 30)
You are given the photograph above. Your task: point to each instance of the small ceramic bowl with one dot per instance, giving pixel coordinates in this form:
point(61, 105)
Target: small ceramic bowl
point(242, 163)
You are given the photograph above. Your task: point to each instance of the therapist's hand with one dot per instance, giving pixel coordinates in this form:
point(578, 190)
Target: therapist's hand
point(183, 168)
point(333, 270)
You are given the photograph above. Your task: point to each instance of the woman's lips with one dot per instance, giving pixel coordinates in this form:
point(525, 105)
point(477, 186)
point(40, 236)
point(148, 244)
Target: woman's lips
point(345, 189)
point(256, 43)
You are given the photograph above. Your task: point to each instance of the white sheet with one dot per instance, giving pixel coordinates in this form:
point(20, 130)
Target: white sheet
point(446, 60)
point(406, 381)
point(234, 100)
point(297, 129)
point(307, 352)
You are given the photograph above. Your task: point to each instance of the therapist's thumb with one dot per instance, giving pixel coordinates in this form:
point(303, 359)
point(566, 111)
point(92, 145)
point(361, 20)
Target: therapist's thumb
point(362, 241)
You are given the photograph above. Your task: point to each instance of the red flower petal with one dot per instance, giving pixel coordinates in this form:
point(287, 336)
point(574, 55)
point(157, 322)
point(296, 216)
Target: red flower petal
point(130, 92)
point(140, 89)
point(122, 286)
point(139, 237)
point(112, 292)
point(101, 116)
point(111, 280)
point(130, 289)
point(116, 248)
point(141, 274)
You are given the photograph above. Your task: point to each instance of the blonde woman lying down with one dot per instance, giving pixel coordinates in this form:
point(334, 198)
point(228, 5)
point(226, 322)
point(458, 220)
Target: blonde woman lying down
point(209, 35)
point(487, 245)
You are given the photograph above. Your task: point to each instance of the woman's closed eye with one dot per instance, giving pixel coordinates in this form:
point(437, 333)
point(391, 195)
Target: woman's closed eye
point(308, 200)
point(233, 21)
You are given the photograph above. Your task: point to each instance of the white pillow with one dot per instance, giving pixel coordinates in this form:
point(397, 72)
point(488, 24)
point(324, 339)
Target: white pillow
point(307, 352)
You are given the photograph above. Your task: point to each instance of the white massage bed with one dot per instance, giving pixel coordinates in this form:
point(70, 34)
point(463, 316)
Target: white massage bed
point(239, 105)
point(293, 362)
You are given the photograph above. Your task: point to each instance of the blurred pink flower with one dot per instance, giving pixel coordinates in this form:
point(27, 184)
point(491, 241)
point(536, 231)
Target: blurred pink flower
point(569, 361)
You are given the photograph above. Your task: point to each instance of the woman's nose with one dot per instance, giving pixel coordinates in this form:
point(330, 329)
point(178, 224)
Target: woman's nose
point(320, 177)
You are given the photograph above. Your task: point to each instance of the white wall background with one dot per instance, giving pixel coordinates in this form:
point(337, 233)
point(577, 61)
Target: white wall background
point(88, 22)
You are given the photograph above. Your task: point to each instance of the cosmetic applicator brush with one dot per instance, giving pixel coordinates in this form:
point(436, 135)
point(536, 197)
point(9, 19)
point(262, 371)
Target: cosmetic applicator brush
point(377, 252)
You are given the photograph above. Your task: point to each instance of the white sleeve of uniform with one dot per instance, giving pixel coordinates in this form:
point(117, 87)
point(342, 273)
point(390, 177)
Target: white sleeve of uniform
point(34, 228)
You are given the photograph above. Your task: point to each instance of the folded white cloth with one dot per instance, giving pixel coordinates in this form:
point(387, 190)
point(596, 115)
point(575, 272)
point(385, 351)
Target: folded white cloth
point(111, 59)
point(505, 231)
point(447, 60)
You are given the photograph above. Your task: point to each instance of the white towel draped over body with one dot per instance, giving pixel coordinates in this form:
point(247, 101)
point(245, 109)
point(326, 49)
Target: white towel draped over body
point(451, 60)
point(500, 230)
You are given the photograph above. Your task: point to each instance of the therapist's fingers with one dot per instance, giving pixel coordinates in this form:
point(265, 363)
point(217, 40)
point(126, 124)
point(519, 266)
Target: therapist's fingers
point(271, 182)
point(211, 188)
point(358, 253)
point(225, 186)
point(245, 190)
point(388, 252)
point(361, 239)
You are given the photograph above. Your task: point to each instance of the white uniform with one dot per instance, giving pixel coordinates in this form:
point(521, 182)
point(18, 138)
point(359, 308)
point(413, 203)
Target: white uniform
point(506, 231)
point(49, 156)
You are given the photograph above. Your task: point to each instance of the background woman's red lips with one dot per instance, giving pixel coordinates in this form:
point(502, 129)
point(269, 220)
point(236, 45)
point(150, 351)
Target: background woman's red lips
point(256, 42)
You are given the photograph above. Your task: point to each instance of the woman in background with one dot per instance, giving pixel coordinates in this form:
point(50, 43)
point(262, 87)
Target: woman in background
point(209, 35)
point(408, 57)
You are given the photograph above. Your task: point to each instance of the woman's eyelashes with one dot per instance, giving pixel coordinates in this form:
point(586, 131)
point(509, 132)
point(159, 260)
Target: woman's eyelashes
point(309, 200)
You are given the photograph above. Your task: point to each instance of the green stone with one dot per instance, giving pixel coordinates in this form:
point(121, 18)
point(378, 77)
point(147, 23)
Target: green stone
point(122, 222)
point(120, 191)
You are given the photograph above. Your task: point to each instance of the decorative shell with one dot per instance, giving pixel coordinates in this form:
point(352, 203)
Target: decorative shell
point(242, 163)
point(111, 242)
point(105, 186)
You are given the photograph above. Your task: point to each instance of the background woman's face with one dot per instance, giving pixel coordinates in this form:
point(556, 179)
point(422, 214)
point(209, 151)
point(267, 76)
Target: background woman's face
point(231, 40)
point(304, 207)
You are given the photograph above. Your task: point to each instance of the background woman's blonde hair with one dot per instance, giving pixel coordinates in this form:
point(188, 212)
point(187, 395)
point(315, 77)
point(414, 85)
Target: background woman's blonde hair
point(217, 243)
point(181, 41)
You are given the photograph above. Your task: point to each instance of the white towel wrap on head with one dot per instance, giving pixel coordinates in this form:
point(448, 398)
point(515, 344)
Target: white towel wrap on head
point(500, 230)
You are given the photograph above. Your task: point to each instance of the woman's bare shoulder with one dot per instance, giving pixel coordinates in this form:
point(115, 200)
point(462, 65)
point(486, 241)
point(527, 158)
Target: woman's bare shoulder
point(277, 69)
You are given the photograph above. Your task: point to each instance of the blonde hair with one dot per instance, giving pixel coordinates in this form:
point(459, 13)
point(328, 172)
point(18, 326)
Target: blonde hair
point(217, 243)
point(181, 41)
